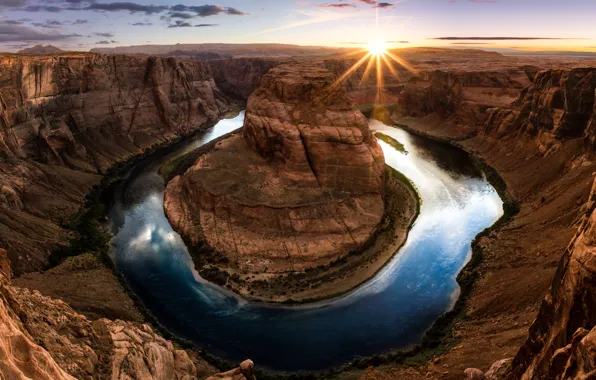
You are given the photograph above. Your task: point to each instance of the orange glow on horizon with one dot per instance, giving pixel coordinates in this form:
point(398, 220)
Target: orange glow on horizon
point(377, 55)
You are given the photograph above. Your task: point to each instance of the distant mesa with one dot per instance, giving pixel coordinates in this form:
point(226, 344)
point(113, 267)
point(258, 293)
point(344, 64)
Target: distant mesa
point(40, 49)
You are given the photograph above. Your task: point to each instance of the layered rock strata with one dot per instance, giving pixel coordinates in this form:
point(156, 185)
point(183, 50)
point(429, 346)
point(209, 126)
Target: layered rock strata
point(300, 188)
point(558, 106)
point(65, 119)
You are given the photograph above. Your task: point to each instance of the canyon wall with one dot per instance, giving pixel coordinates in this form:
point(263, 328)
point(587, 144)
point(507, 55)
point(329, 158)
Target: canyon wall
point(239, 77)
point(65, 119)
point(557, 109)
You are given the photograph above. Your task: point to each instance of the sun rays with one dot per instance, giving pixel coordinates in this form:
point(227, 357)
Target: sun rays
point(378, 57)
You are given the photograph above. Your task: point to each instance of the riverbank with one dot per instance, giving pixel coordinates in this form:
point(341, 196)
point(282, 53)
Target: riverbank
point(511, 268)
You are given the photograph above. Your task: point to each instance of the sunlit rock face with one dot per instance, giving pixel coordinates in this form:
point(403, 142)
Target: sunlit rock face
point(313, 130)
point(65, 119)
point(558, 106)
point(301, 187)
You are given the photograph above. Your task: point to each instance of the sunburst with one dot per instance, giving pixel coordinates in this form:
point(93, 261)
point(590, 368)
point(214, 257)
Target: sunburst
point(378, 55)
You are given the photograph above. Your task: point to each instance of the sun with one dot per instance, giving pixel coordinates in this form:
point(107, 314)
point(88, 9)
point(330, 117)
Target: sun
point(375, 58)
point(378, 47)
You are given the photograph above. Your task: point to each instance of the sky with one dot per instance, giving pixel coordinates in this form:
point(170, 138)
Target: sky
point(489, 24)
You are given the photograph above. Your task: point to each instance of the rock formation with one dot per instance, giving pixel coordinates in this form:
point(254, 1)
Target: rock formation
point(40, 49)
point(65, 119)
point(557, 107)
point(239, 77)
point(562, 340)
point(43, 338)
point(301, 188)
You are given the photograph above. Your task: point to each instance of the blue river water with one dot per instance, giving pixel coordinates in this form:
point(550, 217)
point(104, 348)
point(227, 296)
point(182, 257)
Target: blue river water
point(390, 311)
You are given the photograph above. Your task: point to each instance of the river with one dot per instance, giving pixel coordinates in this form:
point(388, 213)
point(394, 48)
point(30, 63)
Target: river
point(390, 311)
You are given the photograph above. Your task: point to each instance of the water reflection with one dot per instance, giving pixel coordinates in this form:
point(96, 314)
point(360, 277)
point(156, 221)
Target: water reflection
point(390, 311)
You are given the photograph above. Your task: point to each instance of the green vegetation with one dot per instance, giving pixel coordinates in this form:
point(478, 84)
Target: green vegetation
point(391, 141)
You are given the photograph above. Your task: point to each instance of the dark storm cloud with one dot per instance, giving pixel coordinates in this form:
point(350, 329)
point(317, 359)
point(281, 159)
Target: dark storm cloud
point(498, 38)
point(16, 33)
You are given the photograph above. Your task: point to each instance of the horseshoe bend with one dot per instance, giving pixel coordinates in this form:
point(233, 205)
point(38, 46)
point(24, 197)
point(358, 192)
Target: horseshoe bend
point(243, 211)
point(277, 209)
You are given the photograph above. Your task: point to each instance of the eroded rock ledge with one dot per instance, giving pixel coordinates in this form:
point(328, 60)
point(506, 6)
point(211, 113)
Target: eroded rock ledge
point(300, 189)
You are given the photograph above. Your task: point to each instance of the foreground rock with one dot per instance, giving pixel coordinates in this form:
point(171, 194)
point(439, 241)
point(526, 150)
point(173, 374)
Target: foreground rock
point(300, 189)
point(65, 119)
point(43, 338)
point(562, 340)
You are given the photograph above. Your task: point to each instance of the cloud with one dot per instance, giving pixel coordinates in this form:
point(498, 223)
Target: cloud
point(104, 34)
point(181, 15)
point(49, 24)
point(369, 2)
point(106, 42)
point(79, 22)
point(206, 10)
point(17, 33)
point(384, 5)
point(126, 6)
point(13, 3)
point(500, 38)
point(18, 22)
point(234, 12)
point(43, 8)
point(338, 6)
point(205, 25)
point(142, 24)
point(180, 24)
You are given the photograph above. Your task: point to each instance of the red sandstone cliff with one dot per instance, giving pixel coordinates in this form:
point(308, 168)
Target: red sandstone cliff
point(300, 189)
point(65, 119)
